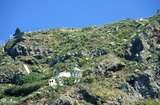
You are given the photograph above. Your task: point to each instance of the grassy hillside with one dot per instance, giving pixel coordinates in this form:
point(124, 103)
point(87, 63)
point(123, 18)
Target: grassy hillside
point(119, 64)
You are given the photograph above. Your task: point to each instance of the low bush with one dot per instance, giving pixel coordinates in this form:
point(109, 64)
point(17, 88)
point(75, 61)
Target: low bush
point(20, 79)
point(33, 77)
point(69, 81)
point(23, 90)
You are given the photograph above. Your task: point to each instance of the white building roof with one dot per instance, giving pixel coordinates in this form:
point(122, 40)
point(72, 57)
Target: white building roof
point(64, 74)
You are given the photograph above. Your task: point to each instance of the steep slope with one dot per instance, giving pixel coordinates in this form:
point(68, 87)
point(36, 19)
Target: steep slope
point(119, 64)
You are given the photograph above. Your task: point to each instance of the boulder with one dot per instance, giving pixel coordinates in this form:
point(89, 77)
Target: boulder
point(133, 52)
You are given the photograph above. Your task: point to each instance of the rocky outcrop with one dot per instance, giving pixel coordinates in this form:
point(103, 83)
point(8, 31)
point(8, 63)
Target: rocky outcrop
point(145, 85)
point(133, 52)
point(23, 50)
point(106, 68)
point(85, 95)
point(65, 57)
point(6, 77)
point(68, 55)
point(76, 95)
point(9, 74)
point(11, 77)
point(23, 45)
point(98, 52)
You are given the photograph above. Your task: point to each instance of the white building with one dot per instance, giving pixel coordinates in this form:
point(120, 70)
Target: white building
point(77, 73)
point(64, 74)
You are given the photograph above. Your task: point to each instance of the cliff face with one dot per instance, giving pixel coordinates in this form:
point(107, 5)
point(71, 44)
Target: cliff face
point(119, 64)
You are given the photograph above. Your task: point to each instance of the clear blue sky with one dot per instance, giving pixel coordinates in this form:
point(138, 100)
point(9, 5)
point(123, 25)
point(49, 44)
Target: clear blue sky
point(31, 15)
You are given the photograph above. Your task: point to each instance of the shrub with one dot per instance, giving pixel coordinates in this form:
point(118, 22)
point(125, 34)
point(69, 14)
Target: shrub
point(20, 78)
point(1, 96)
point(33, 77)
point(89, 79)
point(69, 81)
point(22, 90)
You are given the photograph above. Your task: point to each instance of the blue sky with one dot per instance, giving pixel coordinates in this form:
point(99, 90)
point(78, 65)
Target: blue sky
point(31, 15)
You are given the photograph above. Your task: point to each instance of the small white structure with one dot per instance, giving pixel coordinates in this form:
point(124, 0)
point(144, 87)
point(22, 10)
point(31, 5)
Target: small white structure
point(26, 68)
point(52, 82)
point(76, 72)
point(141, 19)
point(64, 74)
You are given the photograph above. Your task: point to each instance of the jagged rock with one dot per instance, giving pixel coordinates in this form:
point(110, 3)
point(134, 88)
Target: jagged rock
point(133, 95)
point(65, 57)
point(11, 73)
point(10, 77)
point(25, 46)
point(6, 77)
point(98, 52)
point(23, 50)
point(106, 69)
point(18, 34)
point(19, 50)
point(9, 47)
point(133, 53)
point(145, 84)
point(85, 95)
point(68, 55)
point(75, 95)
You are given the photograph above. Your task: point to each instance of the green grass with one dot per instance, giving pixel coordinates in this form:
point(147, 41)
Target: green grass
point(148, 102)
